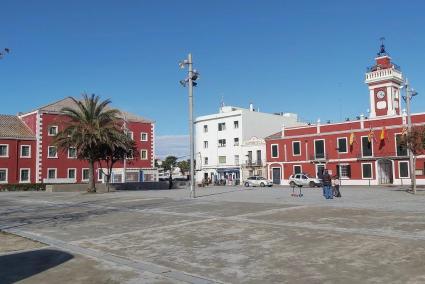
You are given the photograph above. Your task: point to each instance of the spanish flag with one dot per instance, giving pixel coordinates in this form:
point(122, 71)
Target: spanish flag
point(351, 138)
point(370, 136)
point(382, 136)
point(404, 131)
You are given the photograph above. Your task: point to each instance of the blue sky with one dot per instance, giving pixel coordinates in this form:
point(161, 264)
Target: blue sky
point(307, 57)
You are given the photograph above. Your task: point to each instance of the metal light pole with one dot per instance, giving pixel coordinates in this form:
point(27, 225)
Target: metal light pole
point(190, 82)
point(407, 98)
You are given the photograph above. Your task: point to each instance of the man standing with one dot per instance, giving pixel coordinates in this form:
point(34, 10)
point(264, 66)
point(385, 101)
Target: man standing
point(327, 185)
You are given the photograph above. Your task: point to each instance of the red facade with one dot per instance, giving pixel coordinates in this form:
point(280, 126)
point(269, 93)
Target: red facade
point(364, 151)
point(50, 165)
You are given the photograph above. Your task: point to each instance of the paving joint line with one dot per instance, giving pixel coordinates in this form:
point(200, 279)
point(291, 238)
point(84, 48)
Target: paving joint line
point(141, 266)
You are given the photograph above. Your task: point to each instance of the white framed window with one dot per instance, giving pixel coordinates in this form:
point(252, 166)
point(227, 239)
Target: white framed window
point(205, 144)
point(235, 141)
point(3, 175)
point(52, 152)
point(274, 150)
point(341, 144)
point(236, 124)
point(296, 148)
point(206, 161)
point(130, 155)
point(144, 154)
point(296, 169)
point(130, 134)
point(72, 173)
point(52, 173)
point(143, 136)
point(343, 170)
point(319, 149)
point(72, 153)
point(24, 175)
point(52, 130)
point(367, 147)
point(367, 171)
point(222, 143)
point(221, 159)
point(84, 174)
point(4, 150)
point(403, 169)
point(221, 126)
point(205, 128)
point(25, 151)
point(237, 160)
point(401, 149)
point(99, 175)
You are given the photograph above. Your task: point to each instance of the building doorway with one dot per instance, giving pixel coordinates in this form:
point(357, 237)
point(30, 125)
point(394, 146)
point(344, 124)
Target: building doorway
point(320, 168)
point(385, 171)
point(276, 175)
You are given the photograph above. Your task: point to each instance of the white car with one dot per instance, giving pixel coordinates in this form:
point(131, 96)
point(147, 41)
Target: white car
point(258, 181)
point(304, 180)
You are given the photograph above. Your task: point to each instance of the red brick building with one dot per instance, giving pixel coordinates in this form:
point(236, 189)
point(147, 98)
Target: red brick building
point(367, 150)
point(47, 164)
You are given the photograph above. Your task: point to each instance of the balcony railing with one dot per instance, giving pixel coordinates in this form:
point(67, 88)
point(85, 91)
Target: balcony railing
point(379, 155)
point(252, 163)
point(319, 157)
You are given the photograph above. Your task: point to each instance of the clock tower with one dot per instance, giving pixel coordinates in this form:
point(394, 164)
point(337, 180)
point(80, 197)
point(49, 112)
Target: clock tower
point(384, 80)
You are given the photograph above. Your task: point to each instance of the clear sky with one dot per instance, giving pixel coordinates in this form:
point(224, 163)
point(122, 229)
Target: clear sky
point(307, 57)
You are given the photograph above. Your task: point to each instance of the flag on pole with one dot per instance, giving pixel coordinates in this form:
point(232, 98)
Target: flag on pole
point(351, 138)
point(404, 131)
point(370, 136)
point(382, 136)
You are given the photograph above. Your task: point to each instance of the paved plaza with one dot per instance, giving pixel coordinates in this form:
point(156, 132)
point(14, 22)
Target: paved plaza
point(225, 235)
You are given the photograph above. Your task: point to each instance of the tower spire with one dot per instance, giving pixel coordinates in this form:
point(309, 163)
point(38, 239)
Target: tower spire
point(382, 51)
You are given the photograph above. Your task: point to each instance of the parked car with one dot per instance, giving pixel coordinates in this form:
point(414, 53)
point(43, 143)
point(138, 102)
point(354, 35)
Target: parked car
point(304, 179)
point(258, 181)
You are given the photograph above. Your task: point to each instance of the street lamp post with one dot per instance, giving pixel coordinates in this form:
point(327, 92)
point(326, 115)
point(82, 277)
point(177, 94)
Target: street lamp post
point(410, 93)
point(190, 82)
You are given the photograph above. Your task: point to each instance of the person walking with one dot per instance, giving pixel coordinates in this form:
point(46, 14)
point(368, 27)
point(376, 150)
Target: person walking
point(327, 185)
point(336, 183)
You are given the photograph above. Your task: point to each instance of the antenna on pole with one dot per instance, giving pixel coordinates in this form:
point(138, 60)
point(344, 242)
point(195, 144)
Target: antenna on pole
point(382, 49)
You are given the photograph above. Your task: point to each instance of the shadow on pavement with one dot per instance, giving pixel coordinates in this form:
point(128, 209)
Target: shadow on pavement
point(18, 266)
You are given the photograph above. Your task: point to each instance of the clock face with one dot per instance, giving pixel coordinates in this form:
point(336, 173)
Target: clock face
point(380, 94)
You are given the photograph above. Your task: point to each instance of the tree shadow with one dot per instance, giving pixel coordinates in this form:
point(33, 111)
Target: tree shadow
point(18, 266)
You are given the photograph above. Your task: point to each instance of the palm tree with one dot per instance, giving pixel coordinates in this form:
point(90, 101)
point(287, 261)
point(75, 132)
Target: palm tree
point(89, 125)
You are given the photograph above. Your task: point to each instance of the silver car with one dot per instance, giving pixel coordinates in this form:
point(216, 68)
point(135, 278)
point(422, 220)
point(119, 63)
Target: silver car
point(258, 181)
point(304, 179)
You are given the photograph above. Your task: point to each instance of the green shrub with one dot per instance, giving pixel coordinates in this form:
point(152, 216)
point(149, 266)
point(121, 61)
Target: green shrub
point(23, 187)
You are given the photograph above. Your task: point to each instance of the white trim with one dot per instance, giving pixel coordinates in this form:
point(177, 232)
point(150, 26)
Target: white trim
point(141, 136)
point(408, 169)
point(361, 146)
point(371, 170)
point(144, 150)
point(324, 148)
point(7, 175)
point(82, 174)
point(7, 151)
point(29, 152)
point(20, 175)
point(69, 157)
point(271, 150)
point(51, 127)
point(293, 169)
point(346, 144)
point(131, 134)
point(51, 169)
point(75, 173)
point(48, 152)
point(293, 154)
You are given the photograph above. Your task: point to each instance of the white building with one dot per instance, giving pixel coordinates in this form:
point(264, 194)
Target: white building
point(219, 138)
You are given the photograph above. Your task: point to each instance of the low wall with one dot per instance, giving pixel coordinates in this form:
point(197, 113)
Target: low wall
point(101, 187)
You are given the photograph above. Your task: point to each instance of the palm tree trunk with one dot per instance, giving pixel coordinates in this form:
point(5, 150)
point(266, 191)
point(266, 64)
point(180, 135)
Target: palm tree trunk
point(92, 187)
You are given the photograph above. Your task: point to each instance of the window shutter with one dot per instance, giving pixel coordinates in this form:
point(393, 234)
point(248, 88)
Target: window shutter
point(338, 172)
point(349, 171)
